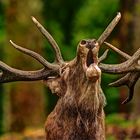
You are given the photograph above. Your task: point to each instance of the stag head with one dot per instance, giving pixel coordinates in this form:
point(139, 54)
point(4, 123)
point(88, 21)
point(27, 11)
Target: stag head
point(77, 83)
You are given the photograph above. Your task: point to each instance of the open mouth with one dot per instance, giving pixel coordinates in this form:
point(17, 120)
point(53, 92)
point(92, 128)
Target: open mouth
point(89, 59)
point(92, 70)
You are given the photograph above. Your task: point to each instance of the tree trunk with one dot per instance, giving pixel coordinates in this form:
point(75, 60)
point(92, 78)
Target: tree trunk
point(124, 42)
point(26, 99)
point(136, 46)
point(2, 39)
point(129, 41)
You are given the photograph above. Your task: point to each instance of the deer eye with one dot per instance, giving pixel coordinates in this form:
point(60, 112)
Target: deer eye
point(83, 42)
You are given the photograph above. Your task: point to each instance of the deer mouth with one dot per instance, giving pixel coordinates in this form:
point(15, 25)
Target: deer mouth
point(92, 70)
point(89, 59)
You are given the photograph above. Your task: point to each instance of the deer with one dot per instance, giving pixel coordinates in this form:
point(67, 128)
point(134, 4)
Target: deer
point(79, 112)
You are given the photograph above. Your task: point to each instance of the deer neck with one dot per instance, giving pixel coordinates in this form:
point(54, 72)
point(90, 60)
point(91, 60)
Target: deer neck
point(79, 113)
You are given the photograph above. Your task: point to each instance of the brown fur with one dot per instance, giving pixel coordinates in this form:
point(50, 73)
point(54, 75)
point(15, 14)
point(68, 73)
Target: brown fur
point(78, 114)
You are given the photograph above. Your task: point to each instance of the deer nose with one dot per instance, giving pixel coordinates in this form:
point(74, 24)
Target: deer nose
point(90, 44)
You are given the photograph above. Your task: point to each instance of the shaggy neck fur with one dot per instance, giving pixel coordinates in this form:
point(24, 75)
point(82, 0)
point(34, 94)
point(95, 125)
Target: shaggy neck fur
point(79, 114)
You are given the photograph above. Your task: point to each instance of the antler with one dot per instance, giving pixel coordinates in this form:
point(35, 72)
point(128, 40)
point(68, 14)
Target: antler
point(104, 55)
point(50, 39)
point(131, 67)
point(9, 74)
point(109, 29)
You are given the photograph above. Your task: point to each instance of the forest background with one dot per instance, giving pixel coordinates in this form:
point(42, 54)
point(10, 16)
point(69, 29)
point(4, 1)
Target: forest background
point(25, 106)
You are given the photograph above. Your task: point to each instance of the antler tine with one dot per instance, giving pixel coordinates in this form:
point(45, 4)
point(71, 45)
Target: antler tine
point(10, 74)
point(125, 55)
point(130, 65)
point(50, 39)
point(121, 81)
point(130, 78)
point(130, 97)
point(35, 55)
point(104, 55)
point(109, 29)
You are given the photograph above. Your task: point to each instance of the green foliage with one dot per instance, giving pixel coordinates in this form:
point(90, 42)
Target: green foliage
point(59, 21)
point(1, 110)
point(115, 119)
point(93, 17)
point(2, 35)
point(2, 30)
point(76, 20)
point(120, 126)
point(111, 138)
point(112, 93)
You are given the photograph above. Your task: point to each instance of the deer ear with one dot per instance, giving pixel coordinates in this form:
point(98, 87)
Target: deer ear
point(54, 85)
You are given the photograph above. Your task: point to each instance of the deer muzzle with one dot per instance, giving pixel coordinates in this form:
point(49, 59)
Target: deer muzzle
point(88, 50)
point(93, 72)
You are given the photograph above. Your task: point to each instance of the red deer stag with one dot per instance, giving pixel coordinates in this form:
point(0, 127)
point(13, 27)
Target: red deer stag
point(78, 114)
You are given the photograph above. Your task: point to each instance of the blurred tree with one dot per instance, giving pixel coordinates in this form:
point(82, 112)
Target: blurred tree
point(128, 41)
point(26, 99)
point(128, 38)
point(2, 39)
point(59, 17)
point(135, 18)
point(125, 41)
